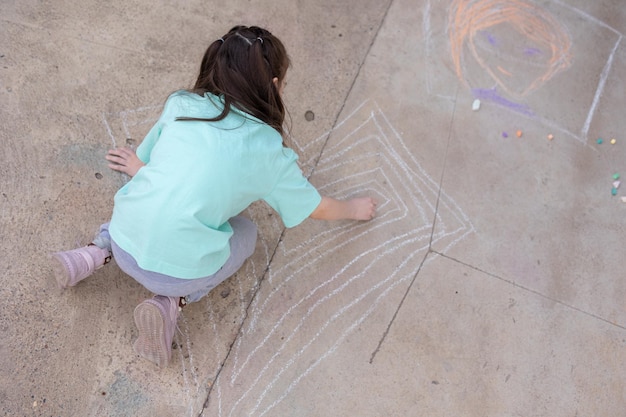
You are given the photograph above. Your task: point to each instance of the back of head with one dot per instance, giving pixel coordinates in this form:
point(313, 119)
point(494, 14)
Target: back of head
point(240, 67)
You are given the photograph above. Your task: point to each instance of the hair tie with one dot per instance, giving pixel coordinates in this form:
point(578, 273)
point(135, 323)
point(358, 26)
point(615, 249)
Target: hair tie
point(260, 39)
point(221, 40)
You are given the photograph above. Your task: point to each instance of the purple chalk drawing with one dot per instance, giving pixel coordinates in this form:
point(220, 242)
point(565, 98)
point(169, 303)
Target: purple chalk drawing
point(491, 94)
point(491, 39)
point(533, 51)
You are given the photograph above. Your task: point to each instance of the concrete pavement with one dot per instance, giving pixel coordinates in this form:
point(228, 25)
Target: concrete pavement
point(490, 284)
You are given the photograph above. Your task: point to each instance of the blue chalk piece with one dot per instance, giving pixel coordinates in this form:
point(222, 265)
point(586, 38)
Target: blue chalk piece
point(614, 191)
point(599, 141)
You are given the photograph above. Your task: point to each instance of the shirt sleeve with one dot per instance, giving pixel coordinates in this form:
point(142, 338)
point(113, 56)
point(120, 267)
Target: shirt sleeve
point(293, 197)
point(145, 147)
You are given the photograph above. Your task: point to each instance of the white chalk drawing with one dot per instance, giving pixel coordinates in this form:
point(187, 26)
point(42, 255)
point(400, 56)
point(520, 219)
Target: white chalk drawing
point(306, 310)
point(130, 124)
point(499, 67)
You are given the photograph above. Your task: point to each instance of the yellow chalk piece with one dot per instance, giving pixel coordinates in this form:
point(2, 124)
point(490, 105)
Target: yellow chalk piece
point(613, 141)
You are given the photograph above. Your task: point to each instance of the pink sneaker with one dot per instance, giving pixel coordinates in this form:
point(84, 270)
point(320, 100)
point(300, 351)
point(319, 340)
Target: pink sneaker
point(156, 320)
point(77, 264)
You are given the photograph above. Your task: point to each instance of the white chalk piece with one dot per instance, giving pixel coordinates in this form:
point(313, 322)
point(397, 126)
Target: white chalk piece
point(623, 199)
point(476, 105)
point(616, 184)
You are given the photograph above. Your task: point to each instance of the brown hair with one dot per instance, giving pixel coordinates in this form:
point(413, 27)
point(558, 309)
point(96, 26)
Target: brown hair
point(240, 68)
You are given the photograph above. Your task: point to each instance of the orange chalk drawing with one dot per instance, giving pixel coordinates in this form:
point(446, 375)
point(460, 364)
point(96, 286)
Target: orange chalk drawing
point(547, 42)
point(503, 71)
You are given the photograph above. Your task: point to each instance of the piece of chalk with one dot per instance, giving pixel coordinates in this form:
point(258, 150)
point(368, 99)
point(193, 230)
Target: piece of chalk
point(613, 141)
point(616, 184)
point(476, 105)
point(519, 133)
point(616, 176)
point(599, 141)
point(505, 135)
point(614, 191)
point(623, 199)
point(550, 136)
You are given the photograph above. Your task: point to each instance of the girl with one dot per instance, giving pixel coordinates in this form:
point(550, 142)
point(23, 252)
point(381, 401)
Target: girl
point(214, 150)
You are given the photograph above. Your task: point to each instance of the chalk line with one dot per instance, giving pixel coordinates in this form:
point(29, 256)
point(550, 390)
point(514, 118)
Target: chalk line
point(596, 99)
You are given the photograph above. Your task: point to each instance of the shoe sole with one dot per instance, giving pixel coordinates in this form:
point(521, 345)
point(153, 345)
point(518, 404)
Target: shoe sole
point(151, 343)
point(61, 270)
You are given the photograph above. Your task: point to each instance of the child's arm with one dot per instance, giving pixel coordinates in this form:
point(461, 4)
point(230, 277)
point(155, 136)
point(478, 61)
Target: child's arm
point(353, 209)
point(124, 160)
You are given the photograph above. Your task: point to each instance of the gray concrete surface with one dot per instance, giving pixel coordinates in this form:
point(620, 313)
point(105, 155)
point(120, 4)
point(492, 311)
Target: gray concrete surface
point(490, 284)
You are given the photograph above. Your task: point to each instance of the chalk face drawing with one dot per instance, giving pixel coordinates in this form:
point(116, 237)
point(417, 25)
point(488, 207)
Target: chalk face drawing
point(309, 305)
point(521, 55)
point(517, 43)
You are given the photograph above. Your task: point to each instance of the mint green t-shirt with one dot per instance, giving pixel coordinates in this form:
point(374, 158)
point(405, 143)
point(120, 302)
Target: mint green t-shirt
point(172, 216)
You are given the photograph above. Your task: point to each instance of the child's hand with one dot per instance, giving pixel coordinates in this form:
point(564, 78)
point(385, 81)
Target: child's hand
point(362, 208)
point(124, 160)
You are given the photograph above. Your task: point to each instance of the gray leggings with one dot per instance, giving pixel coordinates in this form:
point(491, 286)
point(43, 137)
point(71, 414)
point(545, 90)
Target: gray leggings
point(242, 244)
